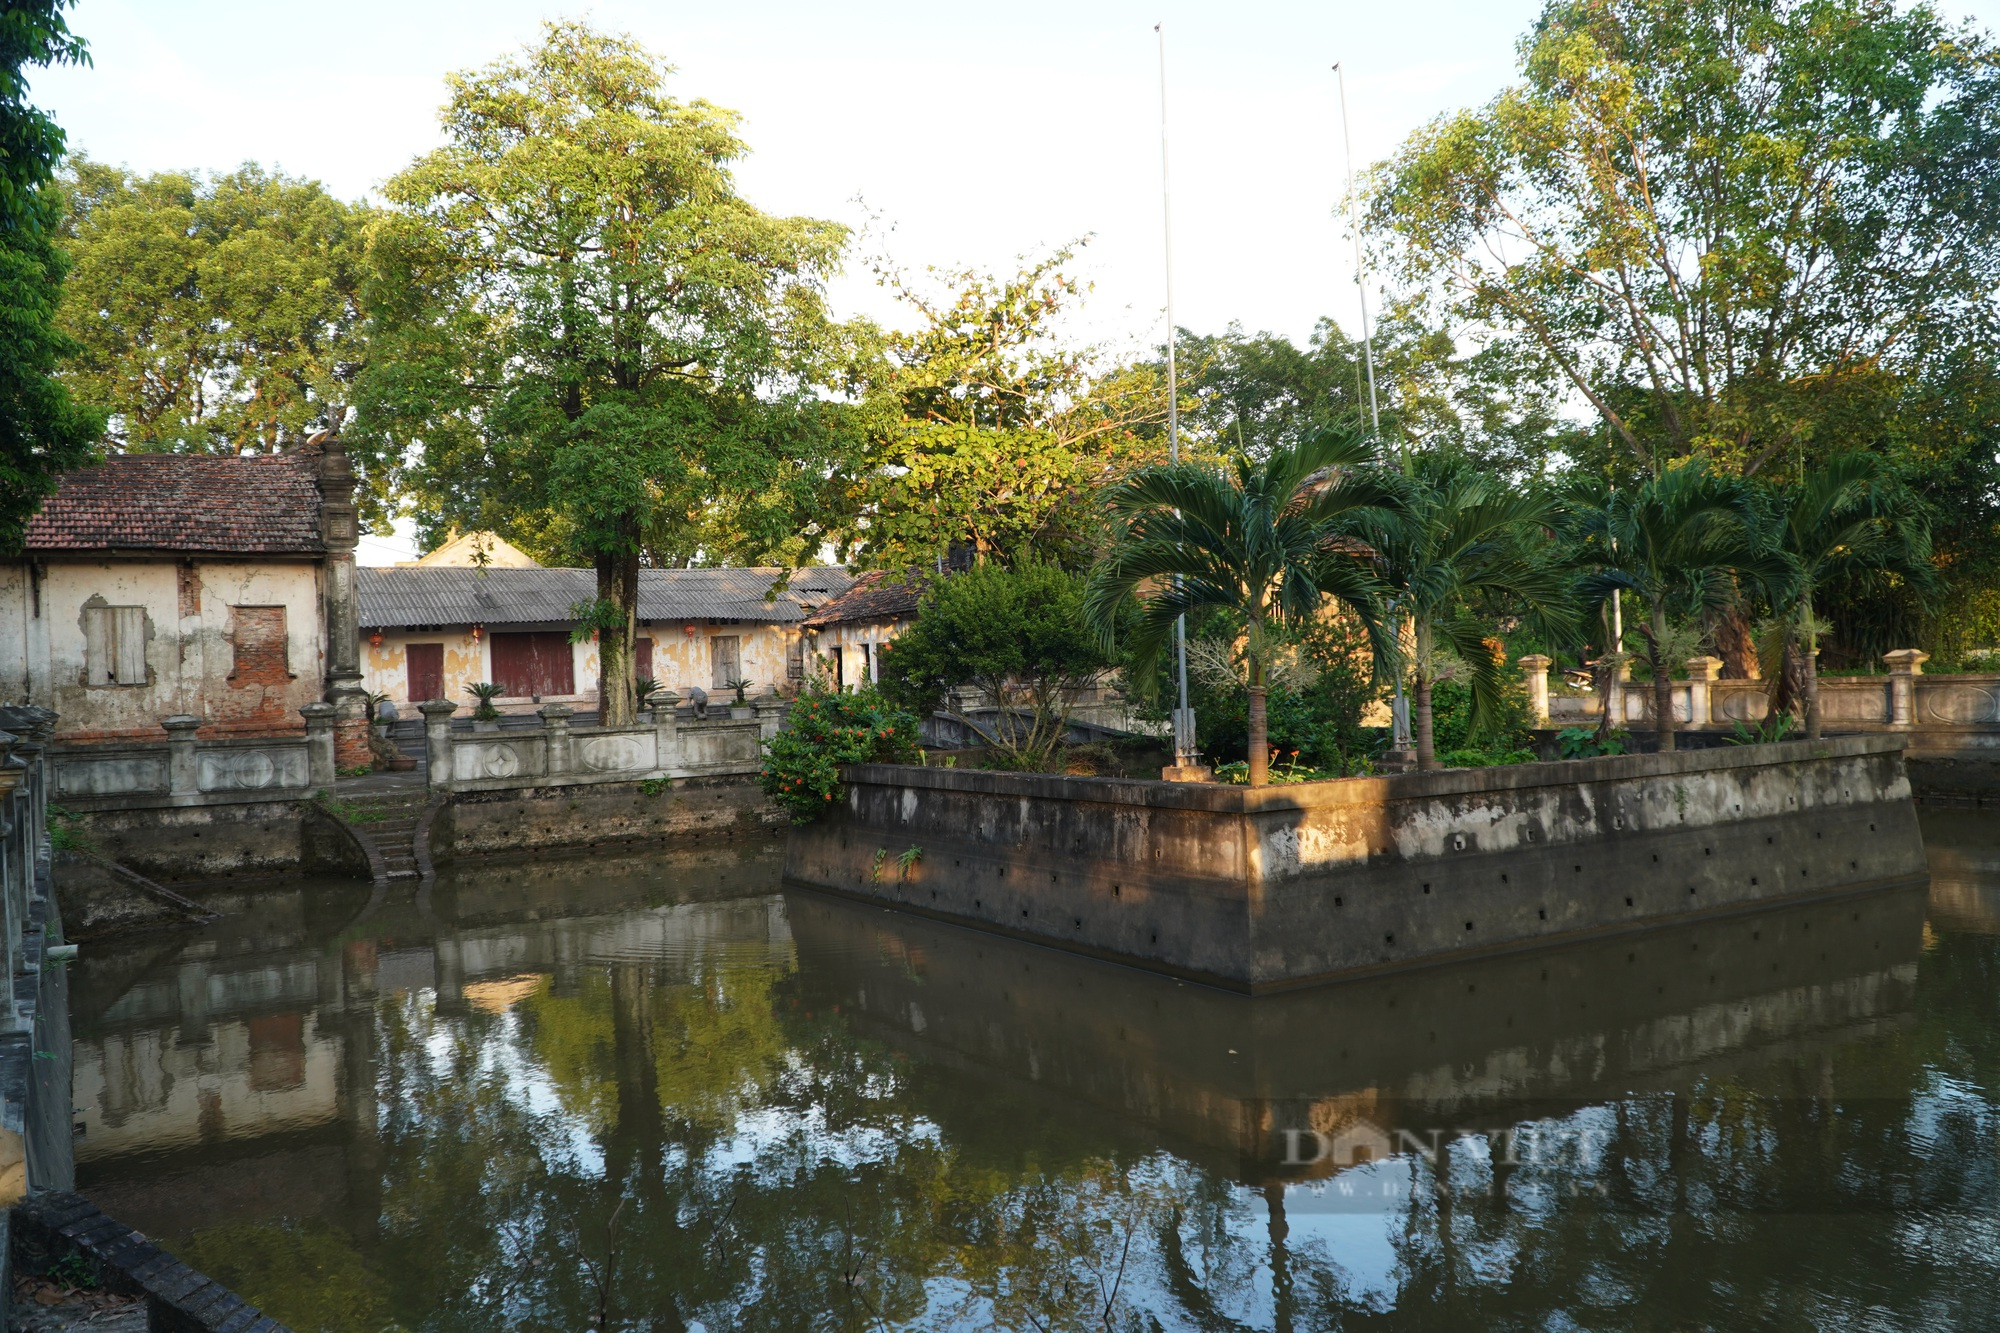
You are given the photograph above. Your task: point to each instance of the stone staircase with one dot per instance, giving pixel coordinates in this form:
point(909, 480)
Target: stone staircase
point(386, 823)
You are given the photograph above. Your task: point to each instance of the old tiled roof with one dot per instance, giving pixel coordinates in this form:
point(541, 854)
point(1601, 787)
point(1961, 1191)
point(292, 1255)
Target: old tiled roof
point(259, 505)
point(876, 595)
point(443, 595)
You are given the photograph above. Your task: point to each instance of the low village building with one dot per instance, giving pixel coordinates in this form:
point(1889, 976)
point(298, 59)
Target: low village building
point(157, 586)
point(429, 632)
point(847, 634)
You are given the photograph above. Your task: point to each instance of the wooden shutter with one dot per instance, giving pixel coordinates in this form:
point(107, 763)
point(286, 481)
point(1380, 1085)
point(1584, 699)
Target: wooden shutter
point(423, 665)
point(725, 655)
point(98, 652)
point(534, 665)
point(129, 630)
point(642, 657)
point(795, 660)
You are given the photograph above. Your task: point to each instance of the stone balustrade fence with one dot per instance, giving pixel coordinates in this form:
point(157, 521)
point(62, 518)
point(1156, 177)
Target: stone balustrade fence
point(1942, 714)
point(667, 745)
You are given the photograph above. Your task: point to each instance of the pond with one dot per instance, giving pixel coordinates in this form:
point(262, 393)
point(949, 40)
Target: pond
point(658, 1092)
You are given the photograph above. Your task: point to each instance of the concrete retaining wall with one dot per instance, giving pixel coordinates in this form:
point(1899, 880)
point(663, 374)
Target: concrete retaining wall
point(547, 818)
point(1260, 890)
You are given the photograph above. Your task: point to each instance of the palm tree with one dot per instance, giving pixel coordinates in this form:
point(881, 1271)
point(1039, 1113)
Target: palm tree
point(1268, 542)
point(1463, 537)
point(1677, 535)
point(1844, 515)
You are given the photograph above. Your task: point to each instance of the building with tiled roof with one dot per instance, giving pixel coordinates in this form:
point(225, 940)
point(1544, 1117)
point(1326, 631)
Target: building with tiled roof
point(155, 585)
point(430, 631)
point(848, 632)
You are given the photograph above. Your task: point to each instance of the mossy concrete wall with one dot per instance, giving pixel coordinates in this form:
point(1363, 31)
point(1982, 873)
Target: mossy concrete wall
point(547, 818)
point(1261, 890)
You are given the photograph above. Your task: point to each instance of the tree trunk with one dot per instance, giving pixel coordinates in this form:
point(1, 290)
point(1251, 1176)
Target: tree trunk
point(1663, 684)
point(1729, 630)
point(617, 587)
point(1260, 745)
point(1426, 734)
point(1809, 678)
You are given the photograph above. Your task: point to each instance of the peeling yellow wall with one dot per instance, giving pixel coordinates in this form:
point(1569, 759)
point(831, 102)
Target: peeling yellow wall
point(189, 657)
point(844, 643)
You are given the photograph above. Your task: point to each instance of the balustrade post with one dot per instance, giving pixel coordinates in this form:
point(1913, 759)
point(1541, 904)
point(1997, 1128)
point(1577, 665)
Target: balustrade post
point(319, 743)
point(666, 730)
point(770, 714)
point(183, 767)
point(1535, 672)
point(556, 737)
point(437, 742)
point(1905, 665)
point(1702, 673)
point(17, 866)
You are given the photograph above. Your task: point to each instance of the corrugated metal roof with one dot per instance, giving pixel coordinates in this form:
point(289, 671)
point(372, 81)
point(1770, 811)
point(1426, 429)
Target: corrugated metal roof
point(456, 596)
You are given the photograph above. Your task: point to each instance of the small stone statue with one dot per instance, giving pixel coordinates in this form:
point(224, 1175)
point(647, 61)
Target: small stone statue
point(699, 698)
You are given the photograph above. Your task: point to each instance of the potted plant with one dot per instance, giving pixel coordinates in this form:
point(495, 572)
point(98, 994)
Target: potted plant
point(643, 690)
point(740, 711)
point(485, 717)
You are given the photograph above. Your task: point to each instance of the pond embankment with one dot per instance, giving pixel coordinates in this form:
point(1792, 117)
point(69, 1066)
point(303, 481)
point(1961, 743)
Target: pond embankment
point(1257, 890)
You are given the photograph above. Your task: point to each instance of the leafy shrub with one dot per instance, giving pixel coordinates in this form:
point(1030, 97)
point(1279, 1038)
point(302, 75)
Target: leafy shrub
point(1451, 720)
point(485, 691)
point(826, 730)
point(1582, 743)
point(1484, 758)
point(1775, 727)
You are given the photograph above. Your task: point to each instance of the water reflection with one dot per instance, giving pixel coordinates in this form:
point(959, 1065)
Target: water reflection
point(655, 1093)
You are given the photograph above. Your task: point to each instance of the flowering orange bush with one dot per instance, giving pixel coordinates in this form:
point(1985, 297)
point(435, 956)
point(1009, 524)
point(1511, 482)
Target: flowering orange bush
point(827, 730)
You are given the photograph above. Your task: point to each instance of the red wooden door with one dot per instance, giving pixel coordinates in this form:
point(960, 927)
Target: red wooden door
point(423, 664)
point(642, 657)
point(534, 664)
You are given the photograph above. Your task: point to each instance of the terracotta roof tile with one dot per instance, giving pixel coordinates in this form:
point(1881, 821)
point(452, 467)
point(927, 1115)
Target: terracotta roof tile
point(876, 595)
point(259, 505)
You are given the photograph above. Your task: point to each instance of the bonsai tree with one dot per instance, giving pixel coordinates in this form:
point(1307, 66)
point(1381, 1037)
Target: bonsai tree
point(485, 691)
point(1463, 539)
point(1846, 515)
point(1266, 542)
point(1018, 634)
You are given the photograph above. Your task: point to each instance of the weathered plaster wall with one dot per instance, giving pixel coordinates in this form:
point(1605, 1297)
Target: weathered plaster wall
point(193, 633)
point(1259, 890)
point(844, 643)
point(680, 660)
point(199, 842)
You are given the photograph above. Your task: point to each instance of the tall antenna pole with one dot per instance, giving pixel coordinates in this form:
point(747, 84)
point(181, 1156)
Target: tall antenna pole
point(1399, 706)
point(1184, 754)
point(1360, 285)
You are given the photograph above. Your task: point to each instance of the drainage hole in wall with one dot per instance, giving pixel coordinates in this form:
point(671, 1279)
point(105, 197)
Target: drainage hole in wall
point(1389, 939)
point(1114, 890)
point(1854, 865)
point(1543, 913)
point(1336, 900)
point(1656, 856)
point(977, 903)
point(1024, 913)
point(1579, 870)
point(1079, 922)
point(1156, 939)
point(1708, 851)
point(1468, 925)
point(1871, 828)
point(1628, 902)
point(1753, 879)
point(1427, 888)
point(1690, 889)
point(1768, 840)
point(1503, 877)
point(1052, 877)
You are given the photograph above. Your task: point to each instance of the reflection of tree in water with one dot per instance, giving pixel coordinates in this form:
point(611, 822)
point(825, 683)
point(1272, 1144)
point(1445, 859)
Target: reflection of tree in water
point(724, 1148)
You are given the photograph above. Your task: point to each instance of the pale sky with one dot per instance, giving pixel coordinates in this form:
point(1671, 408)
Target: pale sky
point(978, 132)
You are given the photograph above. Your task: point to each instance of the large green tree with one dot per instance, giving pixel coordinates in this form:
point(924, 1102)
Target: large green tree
point(214, 315)
point(43, 431)
point(586, 329)
point(1733, 227)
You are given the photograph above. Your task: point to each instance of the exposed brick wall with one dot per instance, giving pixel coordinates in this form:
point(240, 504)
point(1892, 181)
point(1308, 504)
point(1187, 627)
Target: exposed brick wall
point(260, 678)
point(350, 743)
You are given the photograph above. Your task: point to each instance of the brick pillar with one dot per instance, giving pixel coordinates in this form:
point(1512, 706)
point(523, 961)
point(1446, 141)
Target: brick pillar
point(437, 742)
point(1702, 673)
point(183, 770)
point(319, 743)
point(1535, 671)
point(555, 728)
point(1905, 665)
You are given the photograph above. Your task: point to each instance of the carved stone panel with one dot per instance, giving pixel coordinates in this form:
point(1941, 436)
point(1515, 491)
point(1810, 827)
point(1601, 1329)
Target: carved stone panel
point(492, 759)
point(1857, 701)
point(1957, 703)
point(252, 770)
point(616, 752)
point(110, 775)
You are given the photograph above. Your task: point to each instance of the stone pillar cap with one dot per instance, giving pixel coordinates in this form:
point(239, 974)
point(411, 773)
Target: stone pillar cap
point(180, 722)
point(1705, 667)
point(554, 710)
point(1535, 660)
point(437, 708)
point(1907, 660)
point(315, 711)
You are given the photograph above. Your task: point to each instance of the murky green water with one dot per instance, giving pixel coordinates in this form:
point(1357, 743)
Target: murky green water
point(658, 1093)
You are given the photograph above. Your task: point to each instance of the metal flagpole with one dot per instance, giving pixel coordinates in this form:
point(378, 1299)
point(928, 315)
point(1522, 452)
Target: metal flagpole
point(1184, 755)
point(1399, 707)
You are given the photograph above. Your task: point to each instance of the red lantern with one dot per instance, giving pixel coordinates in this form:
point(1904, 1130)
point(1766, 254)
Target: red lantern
point(375, 639)
point(690, 629)
point(476, 631)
